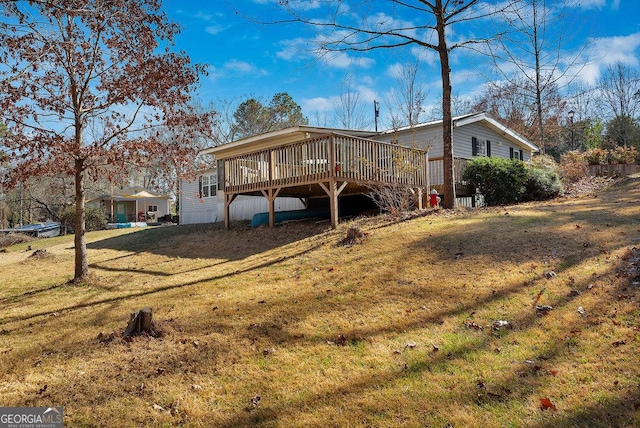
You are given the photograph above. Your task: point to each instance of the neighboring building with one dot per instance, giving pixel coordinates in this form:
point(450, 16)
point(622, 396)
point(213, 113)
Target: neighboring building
point(287, 169)
point(133, 204)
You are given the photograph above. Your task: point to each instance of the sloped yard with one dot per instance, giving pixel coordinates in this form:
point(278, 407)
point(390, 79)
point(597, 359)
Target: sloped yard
point(525, 315)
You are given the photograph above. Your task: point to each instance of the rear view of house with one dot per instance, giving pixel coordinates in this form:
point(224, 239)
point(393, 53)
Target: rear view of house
point(299, 167)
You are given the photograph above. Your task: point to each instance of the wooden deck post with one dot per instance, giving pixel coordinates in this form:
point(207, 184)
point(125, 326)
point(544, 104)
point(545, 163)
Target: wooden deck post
point(227, 203)
point(333, 191)
point(271, 195)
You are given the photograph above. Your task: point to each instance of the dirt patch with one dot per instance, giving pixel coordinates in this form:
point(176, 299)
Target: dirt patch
point(40, 254)
point(354, 236)
point(589, 185)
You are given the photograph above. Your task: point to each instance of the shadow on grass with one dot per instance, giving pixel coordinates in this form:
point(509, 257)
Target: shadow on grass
point(161, 289)
point(210, 240)
point(618, 410)
point(522, 384)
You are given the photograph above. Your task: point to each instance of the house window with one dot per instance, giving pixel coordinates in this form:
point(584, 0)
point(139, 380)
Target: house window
point(208, 185)
point(516, 154)
point(480, 147)
point(152, 208)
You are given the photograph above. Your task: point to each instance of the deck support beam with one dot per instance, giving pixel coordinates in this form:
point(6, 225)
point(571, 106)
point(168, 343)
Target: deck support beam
point(332, 189)
point(418, 194)
point(271, 195)
point(228, 199)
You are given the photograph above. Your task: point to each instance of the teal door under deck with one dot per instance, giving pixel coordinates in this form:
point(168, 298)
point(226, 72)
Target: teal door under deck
point(121, 212)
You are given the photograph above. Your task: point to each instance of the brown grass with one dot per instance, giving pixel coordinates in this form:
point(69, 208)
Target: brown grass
point(394, 330)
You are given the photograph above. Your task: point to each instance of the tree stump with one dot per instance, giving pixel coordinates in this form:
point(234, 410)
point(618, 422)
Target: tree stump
point(139, 323)
point(354, 236)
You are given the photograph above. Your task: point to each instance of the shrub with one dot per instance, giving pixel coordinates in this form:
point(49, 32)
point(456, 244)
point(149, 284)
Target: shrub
point(625, 155)
point(543, 183)
point(573, 166)
point(391, 198)
point(596, 156)
point(501, 181)
point(95, 218)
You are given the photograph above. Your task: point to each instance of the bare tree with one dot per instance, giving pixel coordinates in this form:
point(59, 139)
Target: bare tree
point(350, 112)
point(406, 103)
point(509, 101)
point(84, 88)
point(541, 62)
point(374, 29)
point(620, 86)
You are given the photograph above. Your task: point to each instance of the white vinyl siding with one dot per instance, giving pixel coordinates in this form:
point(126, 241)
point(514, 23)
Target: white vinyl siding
point(500, 145)
point(422, 138)
point(430, 137)
point(195, 209)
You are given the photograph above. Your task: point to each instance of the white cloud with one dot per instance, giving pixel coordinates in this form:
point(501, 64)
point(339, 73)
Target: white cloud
point(607, 51)
point(235, 67)
point(366, 96)
point(343, 60)
point(239, 66)
point(294, 4)
point(320, 104)
point(295, 48)
point(215, 29)
point(591, 4)
point(305, 49)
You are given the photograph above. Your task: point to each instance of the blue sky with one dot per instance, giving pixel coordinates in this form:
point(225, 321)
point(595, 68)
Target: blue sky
point(249, 59)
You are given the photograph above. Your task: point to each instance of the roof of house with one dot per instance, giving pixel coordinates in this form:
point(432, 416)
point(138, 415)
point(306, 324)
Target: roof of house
point(470, 118)
point(130, 193)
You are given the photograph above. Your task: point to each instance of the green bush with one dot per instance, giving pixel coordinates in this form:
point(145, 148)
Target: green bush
point(95, 218)
point(506, 181)
point(542, 184)
point(501, 181)
point(544, 180)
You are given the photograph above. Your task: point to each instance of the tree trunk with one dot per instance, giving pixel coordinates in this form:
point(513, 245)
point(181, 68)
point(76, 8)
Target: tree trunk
point(81, 264)
point(140, 322)
point(449, 197)
point(539, 87)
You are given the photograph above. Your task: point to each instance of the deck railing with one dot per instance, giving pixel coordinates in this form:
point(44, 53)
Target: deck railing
point(436, 173)
point(317, 159)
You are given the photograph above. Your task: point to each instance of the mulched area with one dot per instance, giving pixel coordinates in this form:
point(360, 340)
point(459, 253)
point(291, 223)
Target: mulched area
point(589, 185)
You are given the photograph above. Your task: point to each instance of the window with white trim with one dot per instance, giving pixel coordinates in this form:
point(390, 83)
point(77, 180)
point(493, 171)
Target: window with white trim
point(152, 209)
point(208, 185)
point(516, 154)
point(480, 147)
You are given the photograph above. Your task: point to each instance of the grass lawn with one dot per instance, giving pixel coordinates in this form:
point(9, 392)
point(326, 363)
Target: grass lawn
point(289, 327)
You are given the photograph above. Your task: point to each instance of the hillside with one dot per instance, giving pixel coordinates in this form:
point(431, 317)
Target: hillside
point(524, 315)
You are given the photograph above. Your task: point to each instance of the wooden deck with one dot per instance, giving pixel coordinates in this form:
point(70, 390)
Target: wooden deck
point(328, 165)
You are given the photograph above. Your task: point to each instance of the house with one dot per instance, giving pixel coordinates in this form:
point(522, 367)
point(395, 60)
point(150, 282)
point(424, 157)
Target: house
point(133, 204)
point(309, 167)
